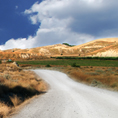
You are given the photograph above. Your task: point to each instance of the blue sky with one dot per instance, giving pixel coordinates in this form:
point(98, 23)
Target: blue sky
point(34, 23)
point(13, 24)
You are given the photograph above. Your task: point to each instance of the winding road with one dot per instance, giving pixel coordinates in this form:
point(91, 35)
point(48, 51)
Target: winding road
point(69, 99)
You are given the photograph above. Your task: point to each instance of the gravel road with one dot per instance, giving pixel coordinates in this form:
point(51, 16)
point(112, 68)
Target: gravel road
point(69, 99)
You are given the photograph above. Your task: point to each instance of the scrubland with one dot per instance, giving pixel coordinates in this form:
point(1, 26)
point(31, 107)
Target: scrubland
point(17, 86)
point(103, 77)
point(93, 72)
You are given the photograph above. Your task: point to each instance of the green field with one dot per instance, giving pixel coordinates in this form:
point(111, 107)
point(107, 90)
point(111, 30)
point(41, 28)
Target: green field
point(65, 62)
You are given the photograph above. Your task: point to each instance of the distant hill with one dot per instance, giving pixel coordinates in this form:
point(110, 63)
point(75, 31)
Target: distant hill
point(106, 47)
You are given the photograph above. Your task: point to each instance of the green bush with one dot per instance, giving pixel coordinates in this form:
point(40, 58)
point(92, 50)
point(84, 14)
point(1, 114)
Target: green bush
point(48, 65)
point(68, 44)
point(99, 58)
point(59, 58)
point(75, 65)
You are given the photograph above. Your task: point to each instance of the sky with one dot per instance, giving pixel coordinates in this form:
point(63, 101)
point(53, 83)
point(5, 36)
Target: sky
point(35, 23)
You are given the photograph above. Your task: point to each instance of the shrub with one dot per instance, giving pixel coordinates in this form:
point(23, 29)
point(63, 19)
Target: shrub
point(98, 58)
point(96, 83)
point(48, 65)
point(59, 57)
point(75, 65)
point(68, 44)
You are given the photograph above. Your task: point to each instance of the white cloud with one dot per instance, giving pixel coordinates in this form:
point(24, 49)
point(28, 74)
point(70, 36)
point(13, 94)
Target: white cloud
point(71, 21)
point(19, 43)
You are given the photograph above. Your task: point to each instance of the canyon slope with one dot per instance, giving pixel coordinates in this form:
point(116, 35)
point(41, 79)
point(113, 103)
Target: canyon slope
point(106, 47)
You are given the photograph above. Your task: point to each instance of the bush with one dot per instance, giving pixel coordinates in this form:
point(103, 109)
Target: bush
point(68, 44)
point(48, 65)
point(98, 58)
point(59, 57)
point(75, 65)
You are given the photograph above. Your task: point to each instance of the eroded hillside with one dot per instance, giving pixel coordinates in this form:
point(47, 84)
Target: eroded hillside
point(100, 47)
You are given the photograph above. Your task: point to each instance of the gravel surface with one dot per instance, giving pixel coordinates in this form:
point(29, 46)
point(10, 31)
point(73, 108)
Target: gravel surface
point(69, 99)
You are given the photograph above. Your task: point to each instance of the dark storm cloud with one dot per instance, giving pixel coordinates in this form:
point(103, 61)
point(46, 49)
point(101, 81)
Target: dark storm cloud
point(96, 20)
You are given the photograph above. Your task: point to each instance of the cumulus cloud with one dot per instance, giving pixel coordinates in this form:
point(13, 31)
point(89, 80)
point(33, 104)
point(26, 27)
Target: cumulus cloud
point(71, 21)
point(19, 43)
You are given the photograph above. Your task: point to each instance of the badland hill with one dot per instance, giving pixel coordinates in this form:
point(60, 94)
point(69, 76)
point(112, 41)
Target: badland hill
point(106, 47)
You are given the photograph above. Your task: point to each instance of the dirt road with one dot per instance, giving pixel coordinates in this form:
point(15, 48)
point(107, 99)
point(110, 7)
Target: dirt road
point(69, 99)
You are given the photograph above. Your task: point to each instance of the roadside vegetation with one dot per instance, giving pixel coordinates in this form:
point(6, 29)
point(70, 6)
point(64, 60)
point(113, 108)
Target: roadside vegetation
point(65, 62)
point(93, 72)
point(100, 58)
point(16, 86)
point(103, 77)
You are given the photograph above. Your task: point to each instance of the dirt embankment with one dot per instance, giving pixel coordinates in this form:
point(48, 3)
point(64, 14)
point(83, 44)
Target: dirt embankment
point(17, 86)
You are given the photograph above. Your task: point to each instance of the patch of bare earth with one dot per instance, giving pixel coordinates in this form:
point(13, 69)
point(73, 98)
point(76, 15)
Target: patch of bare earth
point(17, 86)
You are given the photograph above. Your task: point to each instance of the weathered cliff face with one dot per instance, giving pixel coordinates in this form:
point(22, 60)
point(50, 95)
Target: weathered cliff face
point(28, 55)
point(108, 53)
point(14, 56)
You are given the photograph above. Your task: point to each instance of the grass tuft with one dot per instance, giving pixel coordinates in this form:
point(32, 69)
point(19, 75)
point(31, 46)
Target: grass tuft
point(4, 110)
point(15, 100)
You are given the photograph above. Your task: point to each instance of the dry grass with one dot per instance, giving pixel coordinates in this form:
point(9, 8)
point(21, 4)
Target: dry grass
point(102, 78)
point(16, 86)
point(105, 77)
point(80, 76)
point(15, 100)
point(4, 110)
